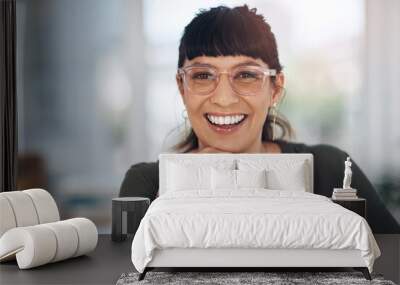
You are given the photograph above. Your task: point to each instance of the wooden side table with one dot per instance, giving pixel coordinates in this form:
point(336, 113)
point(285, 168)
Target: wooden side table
point(127, 212)
point(358, 205)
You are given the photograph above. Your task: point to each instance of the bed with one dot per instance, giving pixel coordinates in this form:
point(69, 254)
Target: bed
point(245, 211)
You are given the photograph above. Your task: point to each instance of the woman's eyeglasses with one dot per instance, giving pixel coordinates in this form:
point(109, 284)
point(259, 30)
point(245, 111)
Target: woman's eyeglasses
point(245, 80)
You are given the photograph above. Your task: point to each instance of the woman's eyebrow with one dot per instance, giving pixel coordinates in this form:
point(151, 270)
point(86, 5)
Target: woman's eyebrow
point(196, 63)
point(249, 62)
point(245, 63)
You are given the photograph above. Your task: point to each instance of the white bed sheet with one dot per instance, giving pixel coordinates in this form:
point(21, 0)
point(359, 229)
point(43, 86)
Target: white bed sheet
point(250, 218)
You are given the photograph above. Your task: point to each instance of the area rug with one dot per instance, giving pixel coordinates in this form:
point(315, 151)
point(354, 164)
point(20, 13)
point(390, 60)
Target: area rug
point(225, 278)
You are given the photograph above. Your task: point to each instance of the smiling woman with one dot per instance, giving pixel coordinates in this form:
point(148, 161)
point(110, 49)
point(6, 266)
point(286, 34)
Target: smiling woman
point(233, 113)
point(236, 113)
point(221, 110)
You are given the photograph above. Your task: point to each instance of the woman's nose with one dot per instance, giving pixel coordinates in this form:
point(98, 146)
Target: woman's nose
point(223, 94)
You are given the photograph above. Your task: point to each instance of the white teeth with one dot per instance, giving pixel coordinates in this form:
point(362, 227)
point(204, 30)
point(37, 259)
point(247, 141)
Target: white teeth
point(225, 120)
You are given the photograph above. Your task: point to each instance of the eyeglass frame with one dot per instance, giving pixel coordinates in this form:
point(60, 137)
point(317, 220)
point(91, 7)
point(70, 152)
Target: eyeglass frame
point(265, 70)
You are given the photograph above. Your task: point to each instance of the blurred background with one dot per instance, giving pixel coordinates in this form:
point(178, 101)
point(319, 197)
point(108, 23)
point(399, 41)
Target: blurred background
point(97, 92)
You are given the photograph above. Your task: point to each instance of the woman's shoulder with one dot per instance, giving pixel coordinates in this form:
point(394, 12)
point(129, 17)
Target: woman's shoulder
point(325, 150)
point(144, 165)
point(141, 179)
point(149, 169)
point(325, 156)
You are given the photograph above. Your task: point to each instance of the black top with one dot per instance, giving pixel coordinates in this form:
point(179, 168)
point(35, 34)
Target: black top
point(142, 180)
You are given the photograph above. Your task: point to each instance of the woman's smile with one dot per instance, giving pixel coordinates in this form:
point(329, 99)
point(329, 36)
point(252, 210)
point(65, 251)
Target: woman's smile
point(225, 123)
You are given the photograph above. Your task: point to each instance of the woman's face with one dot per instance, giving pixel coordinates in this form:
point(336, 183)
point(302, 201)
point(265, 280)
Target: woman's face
point(225, 106)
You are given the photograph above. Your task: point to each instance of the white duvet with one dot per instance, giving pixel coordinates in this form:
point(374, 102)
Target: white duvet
point(250, 218)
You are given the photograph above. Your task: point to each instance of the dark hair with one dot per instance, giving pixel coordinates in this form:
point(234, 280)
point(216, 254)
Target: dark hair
point(224, 31)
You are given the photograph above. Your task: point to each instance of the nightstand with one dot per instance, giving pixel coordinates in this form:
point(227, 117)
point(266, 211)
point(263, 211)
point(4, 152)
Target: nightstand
point(127, 212)
point(358, 205)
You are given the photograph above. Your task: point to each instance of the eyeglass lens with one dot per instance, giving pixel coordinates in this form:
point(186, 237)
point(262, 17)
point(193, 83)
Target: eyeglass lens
point(244, 80)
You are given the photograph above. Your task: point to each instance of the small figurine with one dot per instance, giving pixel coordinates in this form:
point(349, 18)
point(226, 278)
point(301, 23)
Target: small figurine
point(347, 192)
point(347, 174)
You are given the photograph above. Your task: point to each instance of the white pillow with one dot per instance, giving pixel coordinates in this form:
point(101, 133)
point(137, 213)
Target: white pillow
point(281, 174)
point(236, 179)
point(181, 177)
point(251, 178)
point(288, 179)
point(223, 179)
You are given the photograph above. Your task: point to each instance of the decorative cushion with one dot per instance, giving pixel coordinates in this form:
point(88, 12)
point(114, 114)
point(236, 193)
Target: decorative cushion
point(235, 179)
point(251, 178)
point(291, 179)
point(181, 177)
point(282, 174)
point(287, 163)
point(189, 171)
point(223, 179)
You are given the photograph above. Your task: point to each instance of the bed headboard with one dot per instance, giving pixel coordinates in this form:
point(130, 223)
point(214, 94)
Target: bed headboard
point(207, 159)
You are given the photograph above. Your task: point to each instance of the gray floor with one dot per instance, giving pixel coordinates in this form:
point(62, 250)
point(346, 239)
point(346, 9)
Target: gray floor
point(110, 259)
point(388, 263)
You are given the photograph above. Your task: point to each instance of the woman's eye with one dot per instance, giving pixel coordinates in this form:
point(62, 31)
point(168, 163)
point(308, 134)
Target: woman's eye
point(202, 76)
point(247, 75)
